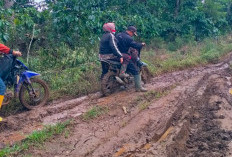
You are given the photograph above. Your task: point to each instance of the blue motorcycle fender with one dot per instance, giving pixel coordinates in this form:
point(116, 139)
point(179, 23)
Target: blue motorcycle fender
point(25, 77)
point(29, 74)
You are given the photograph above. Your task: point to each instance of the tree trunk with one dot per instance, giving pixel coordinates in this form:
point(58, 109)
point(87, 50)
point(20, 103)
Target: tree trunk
point(229, 10)
point(177, 9)
point(8, 4)
point(229, 13)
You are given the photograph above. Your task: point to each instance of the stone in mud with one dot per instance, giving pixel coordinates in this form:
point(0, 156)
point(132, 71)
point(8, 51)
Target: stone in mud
point(203, 146)
point(2, 145)
point(221, 117)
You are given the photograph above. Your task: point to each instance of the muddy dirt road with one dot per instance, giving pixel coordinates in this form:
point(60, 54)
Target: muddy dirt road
point(185, 113)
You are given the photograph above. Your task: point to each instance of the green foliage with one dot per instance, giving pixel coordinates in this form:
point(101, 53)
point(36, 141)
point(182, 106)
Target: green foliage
point(193, 54)
point(68, 72)
point(5, 25)
point(79, 23)
point(35, 139)
point(66, 34)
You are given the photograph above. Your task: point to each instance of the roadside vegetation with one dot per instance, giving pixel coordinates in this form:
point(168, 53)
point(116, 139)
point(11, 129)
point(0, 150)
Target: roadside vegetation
point(59, 39)
point(190, 55)
point(84, 79)
point(67, 81)
point(35, 139)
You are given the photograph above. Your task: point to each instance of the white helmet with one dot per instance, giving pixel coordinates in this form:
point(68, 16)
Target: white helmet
point(109, 27)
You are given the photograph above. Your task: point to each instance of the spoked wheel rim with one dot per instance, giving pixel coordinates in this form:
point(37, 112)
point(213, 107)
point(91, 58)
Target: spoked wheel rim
point(34, 95)
point(109, 83)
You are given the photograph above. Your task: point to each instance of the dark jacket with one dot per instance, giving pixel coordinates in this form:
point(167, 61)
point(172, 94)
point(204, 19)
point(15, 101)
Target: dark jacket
point(108, 45)
point(125, 41)
point(5, 61)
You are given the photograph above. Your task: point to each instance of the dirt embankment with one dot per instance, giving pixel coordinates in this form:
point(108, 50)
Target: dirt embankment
point(185, 113)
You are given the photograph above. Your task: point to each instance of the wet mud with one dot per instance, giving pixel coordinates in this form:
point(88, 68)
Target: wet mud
point(185, 113)
point(207, 130)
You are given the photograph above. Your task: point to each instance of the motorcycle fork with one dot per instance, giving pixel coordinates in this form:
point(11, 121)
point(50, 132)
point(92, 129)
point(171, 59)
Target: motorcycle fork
point(31, 90)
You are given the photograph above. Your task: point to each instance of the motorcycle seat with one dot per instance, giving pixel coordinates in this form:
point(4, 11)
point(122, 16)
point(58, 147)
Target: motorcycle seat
point(110, 62)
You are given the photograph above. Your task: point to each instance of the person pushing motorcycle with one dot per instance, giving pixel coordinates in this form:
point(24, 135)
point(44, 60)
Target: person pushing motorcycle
point(5, 50)
point(125, 42)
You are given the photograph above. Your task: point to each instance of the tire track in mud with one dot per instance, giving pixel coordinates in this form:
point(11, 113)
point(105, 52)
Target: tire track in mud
point(115, 132)
point(156, 147)
point(147, 128)
point(202, 128)
point(203, 133)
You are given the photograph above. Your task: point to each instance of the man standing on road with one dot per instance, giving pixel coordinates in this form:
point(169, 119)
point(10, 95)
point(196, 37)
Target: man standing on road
point(4, 49)
point(125, 41)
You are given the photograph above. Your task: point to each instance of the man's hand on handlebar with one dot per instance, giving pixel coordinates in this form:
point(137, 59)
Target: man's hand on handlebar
point(121, 60)
point(143, 44)
point(17, 53)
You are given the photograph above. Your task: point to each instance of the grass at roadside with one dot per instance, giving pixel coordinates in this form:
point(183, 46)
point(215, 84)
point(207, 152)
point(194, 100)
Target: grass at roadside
point(72, 73)
point(35, 139)
point(77, 72)
point(94, 112)
point(191, 55)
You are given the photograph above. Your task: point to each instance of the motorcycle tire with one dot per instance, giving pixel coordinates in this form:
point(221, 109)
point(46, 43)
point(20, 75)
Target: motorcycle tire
point(109, 83)
point(36, 100)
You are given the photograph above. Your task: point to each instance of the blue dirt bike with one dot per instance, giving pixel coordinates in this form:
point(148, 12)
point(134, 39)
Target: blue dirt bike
point(31, 90)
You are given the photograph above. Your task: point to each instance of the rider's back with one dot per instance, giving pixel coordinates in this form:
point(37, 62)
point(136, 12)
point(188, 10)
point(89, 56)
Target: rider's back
point(125, 41)
point(105, 47)
point(5, 65)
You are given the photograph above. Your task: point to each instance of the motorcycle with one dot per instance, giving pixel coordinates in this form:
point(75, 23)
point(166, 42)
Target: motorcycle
point(31, 90)
point(111, 80)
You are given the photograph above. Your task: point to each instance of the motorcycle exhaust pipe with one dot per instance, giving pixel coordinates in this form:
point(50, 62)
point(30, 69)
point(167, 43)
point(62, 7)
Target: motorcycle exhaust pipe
point(119, 80)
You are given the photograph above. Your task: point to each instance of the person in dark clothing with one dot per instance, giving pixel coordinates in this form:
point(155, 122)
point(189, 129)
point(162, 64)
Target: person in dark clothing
point(108, 47)
point(125, 42)
point(4, 49)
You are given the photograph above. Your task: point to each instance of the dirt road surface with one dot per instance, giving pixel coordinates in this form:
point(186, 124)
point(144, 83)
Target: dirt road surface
point(185, 114)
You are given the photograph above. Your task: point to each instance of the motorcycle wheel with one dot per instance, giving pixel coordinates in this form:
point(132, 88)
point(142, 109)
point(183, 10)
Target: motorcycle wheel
point(109, 83)
point(34, 95)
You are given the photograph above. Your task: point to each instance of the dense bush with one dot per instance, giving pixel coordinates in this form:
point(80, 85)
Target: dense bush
point(79, 22)
point(65, 34)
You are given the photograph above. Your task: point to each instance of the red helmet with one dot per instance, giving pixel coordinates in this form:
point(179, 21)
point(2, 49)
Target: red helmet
point(109, 27)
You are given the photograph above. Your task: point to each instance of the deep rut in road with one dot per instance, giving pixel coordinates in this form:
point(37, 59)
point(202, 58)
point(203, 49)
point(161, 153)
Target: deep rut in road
point(185, 113)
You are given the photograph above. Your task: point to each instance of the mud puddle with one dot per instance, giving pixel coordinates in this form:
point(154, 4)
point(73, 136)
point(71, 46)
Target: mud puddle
point(156, 124)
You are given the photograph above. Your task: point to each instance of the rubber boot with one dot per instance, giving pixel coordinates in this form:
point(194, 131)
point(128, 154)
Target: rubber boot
point(123, 73)
point(138, 86)
point(140, 63)
point(1, 101)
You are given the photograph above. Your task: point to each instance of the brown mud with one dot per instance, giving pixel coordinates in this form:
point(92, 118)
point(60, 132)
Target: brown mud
point(185, 113)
